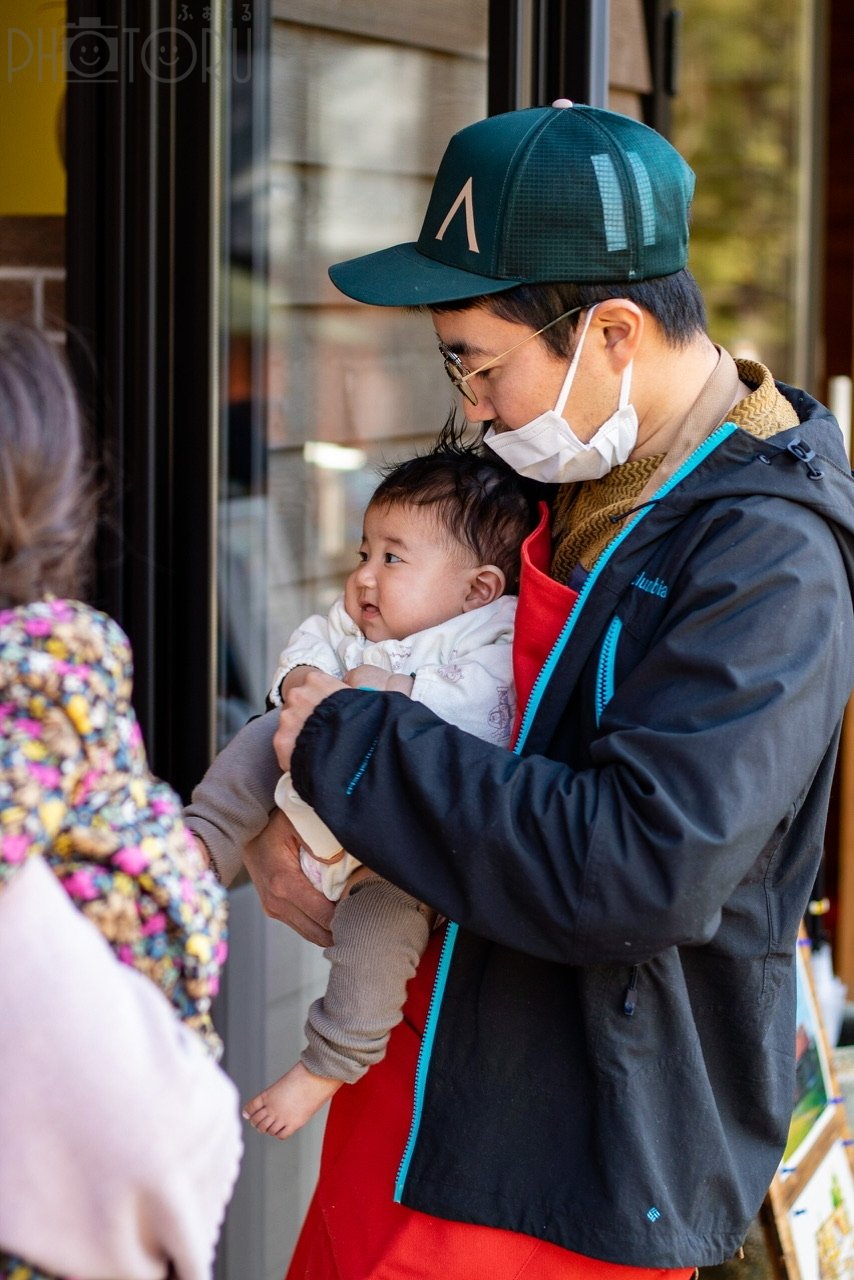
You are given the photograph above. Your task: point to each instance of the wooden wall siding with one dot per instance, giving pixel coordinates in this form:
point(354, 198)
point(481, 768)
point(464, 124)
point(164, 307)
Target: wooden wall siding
point(359, 124)
point(359, 128)
point(445, 25)
point(630, 73)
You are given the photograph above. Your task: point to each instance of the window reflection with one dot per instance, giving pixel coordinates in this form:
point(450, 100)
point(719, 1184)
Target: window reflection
point(320, 392)
point(742, 118)
point(357, 129)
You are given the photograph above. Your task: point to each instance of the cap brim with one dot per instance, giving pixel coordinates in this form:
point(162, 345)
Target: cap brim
point(402, 276)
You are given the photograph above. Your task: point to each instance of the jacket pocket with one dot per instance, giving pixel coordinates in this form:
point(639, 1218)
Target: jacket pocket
point(638, 1017)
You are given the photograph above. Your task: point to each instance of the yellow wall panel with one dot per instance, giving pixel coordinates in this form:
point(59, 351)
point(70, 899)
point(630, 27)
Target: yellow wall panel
point(32, 92)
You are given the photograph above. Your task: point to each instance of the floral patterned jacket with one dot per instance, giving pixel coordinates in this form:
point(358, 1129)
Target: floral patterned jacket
point(75, 787)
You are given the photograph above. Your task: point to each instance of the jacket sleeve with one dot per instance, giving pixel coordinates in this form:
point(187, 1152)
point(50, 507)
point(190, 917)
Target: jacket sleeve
point(702, 758)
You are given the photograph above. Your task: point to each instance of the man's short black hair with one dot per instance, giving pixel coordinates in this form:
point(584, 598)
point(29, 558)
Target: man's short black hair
point(674, 301)
point(477, 499)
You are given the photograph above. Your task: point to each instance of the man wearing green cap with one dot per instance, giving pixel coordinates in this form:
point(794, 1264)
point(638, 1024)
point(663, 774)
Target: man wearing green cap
point(607, 1066)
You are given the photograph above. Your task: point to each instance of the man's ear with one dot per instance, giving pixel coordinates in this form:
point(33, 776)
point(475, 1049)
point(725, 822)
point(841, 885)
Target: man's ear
point(622, 324)
point(487, 583)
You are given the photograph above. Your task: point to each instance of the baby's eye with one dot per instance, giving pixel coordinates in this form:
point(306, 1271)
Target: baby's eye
point(363, 556)
point(391, 558)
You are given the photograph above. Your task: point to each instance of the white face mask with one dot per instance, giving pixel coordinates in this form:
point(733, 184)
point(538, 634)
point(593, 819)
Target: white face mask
point(548, 449)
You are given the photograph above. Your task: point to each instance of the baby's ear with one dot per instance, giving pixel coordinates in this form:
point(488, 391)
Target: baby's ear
point(486, 584)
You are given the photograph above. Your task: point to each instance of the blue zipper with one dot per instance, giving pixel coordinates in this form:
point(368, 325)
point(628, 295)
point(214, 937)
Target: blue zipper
point(723, 432)
point(424, 1055)
point(607, 666)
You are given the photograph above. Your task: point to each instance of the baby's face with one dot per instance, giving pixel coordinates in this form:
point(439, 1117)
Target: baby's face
point(411, 574)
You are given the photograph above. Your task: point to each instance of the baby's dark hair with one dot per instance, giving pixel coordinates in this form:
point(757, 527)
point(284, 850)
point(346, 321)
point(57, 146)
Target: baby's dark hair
point(481, 503)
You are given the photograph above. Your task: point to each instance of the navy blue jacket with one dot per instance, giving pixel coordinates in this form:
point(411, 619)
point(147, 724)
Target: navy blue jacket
point(609, 1060)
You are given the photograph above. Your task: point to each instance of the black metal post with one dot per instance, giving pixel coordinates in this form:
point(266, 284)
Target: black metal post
point(663, 25)
point(570, 51)
point(141, 311)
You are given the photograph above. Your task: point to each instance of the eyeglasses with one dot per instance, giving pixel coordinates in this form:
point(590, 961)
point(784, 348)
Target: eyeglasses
point(460, 375)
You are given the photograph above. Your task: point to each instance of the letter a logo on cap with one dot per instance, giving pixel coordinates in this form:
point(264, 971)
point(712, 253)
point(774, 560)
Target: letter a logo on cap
point(465, 197)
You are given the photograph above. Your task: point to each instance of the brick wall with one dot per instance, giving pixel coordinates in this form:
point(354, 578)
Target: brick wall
point(32, 272)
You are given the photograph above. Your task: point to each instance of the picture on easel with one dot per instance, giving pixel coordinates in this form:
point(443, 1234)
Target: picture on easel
point(809, 1211)
point(821, 1221)
point(813, 1074)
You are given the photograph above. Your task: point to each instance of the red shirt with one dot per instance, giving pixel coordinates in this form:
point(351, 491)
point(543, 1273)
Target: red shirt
point(544, 606)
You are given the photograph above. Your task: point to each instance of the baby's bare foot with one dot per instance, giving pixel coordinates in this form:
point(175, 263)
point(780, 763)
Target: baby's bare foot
point(284, 1107)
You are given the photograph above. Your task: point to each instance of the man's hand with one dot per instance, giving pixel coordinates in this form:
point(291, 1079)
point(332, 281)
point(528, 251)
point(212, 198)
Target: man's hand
point(272, 860)
point(299, 702)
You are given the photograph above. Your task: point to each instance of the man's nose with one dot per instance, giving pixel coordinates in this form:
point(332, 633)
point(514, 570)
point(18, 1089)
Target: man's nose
point(483, 411)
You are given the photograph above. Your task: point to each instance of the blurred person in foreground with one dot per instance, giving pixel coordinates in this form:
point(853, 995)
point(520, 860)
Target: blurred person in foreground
point(119, 1134)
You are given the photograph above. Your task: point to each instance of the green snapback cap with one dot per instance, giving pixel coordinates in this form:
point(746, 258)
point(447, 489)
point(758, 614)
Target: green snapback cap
point(566, 193)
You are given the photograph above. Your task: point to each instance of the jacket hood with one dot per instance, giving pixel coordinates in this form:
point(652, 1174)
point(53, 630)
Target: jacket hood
point(805, 464)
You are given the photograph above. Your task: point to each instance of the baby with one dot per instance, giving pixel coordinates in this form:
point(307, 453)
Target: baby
point(428, 612)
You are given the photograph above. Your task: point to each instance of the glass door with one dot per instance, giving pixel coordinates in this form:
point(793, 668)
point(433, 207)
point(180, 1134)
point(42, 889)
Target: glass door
point(333, 125)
